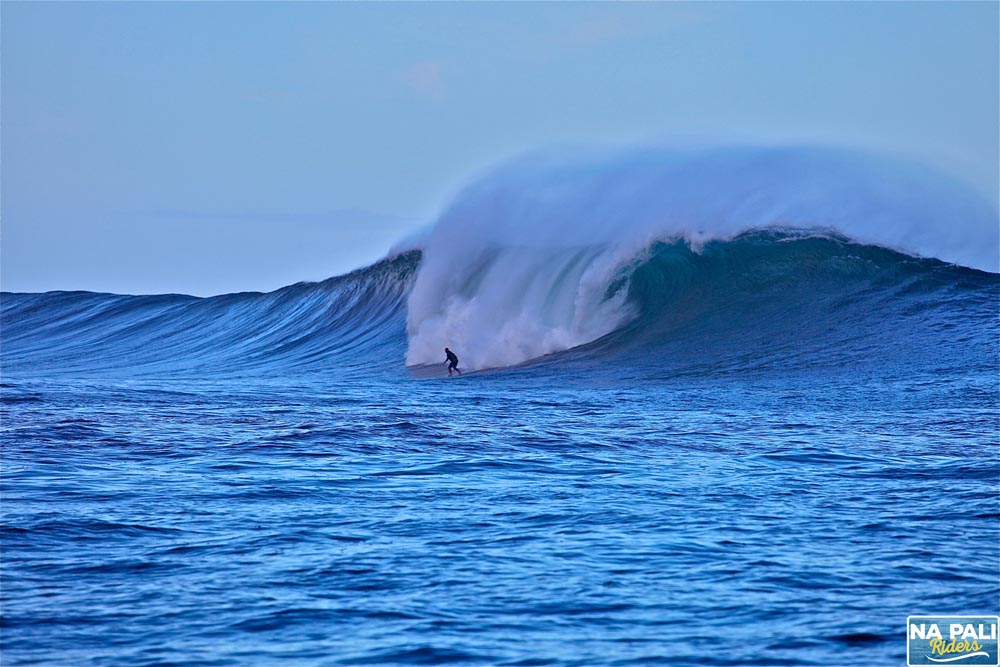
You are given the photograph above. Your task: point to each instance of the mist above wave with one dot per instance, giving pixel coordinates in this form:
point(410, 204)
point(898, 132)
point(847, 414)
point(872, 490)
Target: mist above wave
point(533, 258)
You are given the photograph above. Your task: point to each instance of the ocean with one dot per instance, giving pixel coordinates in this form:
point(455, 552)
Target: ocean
point(766, 444)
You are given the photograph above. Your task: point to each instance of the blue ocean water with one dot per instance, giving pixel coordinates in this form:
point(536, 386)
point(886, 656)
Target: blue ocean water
point(766, 448)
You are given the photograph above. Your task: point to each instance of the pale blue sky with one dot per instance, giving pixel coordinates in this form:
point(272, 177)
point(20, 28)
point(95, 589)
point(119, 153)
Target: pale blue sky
point(207, 148)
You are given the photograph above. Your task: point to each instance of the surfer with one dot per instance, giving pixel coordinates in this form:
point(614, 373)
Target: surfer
point(452, 361)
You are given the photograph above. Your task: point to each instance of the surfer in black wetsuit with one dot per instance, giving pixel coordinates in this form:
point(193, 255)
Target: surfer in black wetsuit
point(452, 361)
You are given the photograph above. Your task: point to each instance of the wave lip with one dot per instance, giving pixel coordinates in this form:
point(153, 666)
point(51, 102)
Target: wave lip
point(536, 257)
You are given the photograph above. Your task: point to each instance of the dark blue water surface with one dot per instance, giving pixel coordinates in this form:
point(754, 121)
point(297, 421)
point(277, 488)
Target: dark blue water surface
point(779, 479)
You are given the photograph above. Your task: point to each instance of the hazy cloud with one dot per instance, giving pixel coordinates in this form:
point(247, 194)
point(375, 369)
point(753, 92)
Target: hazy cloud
point(597, 30)
point(425, 79)
point(627, 23)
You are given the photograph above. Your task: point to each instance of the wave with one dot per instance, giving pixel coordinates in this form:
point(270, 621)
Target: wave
point(794, 298)
point(766, 299)
point(351, 321)
point(665, 262)
point(520, 265)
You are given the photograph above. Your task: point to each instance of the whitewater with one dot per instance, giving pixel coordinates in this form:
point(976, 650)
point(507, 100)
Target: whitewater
point(727, 405)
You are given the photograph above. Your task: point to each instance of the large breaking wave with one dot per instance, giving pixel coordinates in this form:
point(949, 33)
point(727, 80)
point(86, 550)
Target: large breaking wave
point(665, 261)
point(522, 263)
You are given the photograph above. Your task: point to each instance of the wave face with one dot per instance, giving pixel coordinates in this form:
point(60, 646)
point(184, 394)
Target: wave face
point(792, 299)
point(537, 256)
point(352, 321)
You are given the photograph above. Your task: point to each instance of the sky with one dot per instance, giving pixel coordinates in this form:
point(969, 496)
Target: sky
point(207, 148)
